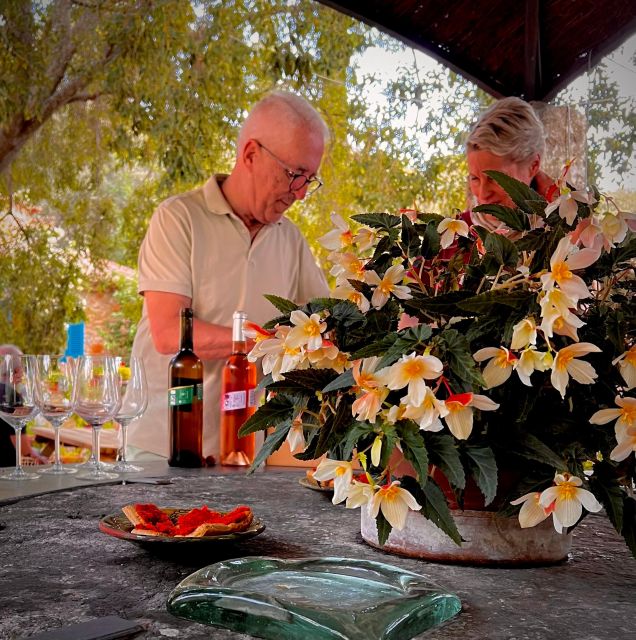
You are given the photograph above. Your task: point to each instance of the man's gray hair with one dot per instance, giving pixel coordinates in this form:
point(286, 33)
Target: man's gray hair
point(289, 110)
point(509, 128)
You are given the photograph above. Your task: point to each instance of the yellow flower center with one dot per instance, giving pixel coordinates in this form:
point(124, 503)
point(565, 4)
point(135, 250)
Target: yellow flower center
point(564, 359)
point(630, 356)
point(560, 272)
point(311, 329)
point(628, 414)
point(414, 369)
point(340, 471)
point(567, 491)
point(391, 493)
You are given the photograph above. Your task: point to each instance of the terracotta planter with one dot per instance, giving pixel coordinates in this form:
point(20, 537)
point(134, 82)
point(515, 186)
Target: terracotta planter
point(489, 539)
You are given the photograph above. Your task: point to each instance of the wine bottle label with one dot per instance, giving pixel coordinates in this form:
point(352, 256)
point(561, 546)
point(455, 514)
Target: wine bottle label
point(181, 395)
point(234, 400)
point(252, 399)
point(199, 391)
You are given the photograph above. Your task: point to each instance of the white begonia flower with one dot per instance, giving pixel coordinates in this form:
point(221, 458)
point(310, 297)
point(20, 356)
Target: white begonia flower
point(395, 503)
point(344, 291)
point(387, 286)
point(460, 412)
point(613, 226)
point(337, 238)
point(624, 414)
point(531, 512)
point(523, 334)
point(307, 331)
point(627, 366)
point(360, 494)
point(427, 414)
point(567, 204)
point(341, 472)
point(530, 361)
point(347, 266)
point(556, 312)
point(566, 364)
point(296, 436)
point(365, 238)
point(566, 258)
point(567, 498)
point(626, 445)
point(278, 356)
point(448, 228)
point(411, 370)
point(500, 367)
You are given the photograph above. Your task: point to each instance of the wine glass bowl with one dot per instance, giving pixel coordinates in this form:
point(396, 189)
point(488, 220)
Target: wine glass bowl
point(96, 400)
point(134, 393)
point(54, 388)
point(17, 404)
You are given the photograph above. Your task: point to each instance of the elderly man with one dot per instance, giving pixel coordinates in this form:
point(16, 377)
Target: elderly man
point(222, 246)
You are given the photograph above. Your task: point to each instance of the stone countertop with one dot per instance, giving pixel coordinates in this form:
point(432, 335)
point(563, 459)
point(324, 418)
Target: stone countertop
point(57, 568)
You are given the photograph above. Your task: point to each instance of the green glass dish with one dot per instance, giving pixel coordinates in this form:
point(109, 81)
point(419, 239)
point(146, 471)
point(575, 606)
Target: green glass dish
point(317, 598)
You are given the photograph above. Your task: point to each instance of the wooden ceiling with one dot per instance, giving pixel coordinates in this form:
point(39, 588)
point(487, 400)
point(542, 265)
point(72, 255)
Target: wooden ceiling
point(527, 48)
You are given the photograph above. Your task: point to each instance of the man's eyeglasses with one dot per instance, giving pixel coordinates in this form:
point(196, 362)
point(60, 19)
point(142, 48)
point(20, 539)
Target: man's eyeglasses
point(297, 181)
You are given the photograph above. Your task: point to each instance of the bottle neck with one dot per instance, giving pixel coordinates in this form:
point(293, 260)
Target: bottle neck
point(239, 343)
point(185, 342)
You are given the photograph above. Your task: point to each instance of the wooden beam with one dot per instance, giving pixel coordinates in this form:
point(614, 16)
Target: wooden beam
point(532, 71)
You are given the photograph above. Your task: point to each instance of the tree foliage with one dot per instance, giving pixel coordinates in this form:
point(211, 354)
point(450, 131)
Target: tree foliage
point(109, 106)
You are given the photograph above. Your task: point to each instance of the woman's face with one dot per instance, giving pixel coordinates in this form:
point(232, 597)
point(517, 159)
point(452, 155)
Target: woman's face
point(484, 188)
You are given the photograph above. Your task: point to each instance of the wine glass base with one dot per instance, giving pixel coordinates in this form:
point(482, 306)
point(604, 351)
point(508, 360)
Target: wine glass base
point(18, 475)
point(126, 467)
point(96, 474)
point(59, 471)
point(91, 465)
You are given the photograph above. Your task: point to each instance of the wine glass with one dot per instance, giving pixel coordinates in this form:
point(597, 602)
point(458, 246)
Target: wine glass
point(54, 386)
point(96, 400)
point(134, 392)
point(17, 404)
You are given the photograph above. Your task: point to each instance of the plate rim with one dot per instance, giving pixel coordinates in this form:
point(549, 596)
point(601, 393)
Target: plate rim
point(257, 526)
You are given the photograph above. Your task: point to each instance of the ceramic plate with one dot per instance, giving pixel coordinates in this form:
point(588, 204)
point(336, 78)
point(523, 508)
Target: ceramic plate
point(327, 598)
point(119, 526)
point(310, 485)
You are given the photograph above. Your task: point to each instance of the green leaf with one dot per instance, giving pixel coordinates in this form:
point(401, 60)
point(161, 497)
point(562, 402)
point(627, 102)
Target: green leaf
point(434, 506)
point(443, 453)
point(356, 432)
point(304, 381)
point(485, 302)
point(531, 241)
point(624, 253)
point(265, 382)
point(282, 304)
point(502, 250)
point(273, 412)
point(529, 446)
point(410, 239)
point(605, 487)
point(446, 304)
point(484, 469)
point(384, 528)
point(512, 218)
point(272, 443)
point(376, 348)
point(407, 342)
point(414, 448)
point(519, 192)
point(431, 240)
point(461, 362)
point(343, 381)
point(385, 221)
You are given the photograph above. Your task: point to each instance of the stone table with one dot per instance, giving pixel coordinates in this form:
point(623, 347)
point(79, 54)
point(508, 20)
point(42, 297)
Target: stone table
point(57, 568)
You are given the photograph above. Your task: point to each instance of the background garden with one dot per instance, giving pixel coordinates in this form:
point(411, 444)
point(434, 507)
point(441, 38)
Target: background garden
point(108, 107)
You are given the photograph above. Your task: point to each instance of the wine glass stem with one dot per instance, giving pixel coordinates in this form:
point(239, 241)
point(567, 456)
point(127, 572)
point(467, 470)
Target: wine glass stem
point(95, 452)
point(124, 439)
point(56, 429)
point(96, 429)
point(18, 448)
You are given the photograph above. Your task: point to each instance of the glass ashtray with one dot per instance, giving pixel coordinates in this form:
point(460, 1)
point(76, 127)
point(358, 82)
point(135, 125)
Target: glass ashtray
point(318, 598)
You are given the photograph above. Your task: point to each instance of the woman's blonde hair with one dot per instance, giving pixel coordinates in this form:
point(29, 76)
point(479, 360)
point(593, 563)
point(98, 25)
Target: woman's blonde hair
point(509, 128)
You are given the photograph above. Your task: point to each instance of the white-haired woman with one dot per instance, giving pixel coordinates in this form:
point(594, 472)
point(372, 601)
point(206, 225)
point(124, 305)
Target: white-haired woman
point(509, 138)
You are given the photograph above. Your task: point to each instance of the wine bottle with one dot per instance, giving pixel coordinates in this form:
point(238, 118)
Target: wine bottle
point(238, 399)
point(185, 400)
